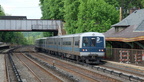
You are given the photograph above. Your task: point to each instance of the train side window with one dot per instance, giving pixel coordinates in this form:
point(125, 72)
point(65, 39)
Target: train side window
point(69, 43)
point(63, 43)
point(76, 43)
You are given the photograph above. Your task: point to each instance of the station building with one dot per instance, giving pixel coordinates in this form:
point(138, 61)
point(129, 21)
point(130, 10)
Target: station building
point(127, 39)
point(128, 33)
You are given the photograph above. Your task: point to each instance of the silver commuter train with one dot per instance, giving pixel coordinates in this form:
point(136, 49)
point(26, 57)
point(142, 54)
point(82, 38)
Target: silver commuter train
point(88, 47)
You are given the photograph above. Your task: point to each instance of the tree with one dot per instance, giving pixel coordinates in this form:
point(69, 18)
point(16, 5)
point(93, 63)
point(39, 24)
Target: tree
point(126, 5)
point(47, 34)
point(142, 2)
point(12, 37)
point(70, 17)
point(96, 15)
point(1, 11)
point(52, 9)
point(113, 2)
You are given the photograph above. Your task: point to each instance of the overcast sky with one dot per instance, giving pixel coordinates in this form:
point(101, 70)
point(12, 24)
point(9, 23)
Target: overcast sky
point(29, 8)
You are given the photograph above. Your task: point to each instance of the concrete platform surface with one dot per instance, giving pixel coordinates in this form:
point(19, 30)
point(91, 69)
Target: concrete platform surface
point(2, 69)
point(127, 65)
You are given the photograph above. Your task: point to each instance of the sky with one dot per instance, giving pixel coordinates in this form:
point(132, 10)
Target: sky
point(29, 8)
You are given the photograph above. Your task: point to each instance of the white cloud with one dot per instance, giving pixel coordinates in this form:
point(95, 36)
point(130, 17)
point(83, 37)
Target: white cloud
point(29, 8)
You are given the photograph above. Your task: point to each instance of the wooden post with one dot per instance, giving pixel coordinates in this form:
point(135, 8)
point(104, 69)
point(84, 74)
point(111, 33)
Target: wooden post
point(120, 17)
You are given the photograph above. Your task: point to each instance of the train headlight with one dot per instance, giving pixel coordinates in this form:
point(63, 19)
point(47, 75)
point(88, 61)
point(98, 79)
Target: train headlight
point(84, 50)
point(101, 50)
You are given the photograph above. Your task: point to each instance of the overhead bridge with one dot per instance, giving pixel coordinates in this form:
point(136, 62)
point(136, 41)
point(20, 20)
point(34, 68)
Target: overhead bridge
point(31, 25)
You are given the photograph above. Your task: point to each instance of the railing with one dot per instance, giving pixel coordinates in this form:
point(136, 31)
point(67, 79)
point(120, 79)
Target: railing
point(125, 55)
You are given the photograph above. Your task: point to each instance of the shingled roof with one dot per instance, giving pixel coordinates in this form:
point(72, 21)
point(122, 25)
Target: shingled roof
point(131, 28)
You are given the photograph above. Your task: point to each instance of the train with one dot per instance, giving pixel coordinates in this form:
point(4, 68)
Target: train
point(88, 47)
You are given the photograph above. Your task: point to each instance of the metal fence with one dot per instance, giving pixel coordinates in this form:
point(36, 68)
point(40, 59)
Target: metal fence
point(135, 56)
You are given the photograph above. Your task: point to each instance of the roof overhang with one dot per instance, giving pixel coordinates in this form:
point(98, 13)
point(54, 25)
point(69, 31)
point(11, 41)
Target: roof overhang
point(121, 39)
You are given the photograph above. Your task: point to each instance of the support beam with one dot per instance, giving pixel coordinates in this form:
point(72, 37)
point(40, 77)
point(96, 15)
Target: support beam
point(131, 45)
point(142, 46)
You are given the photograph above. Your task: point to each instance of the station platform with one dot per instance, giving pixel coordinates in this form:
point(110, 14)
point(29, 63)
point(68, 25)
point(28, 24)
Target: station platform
point(4, 47)
point(126, 65)
point(2, 68)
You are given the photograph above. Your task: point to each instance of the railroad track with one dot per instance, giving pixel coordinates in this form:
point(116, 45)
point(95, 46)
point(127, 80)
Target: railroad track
point(77, 71)
point(84, 74)
point(41, 74)
point(57, 75)
point(12, 73)
point(132, 75)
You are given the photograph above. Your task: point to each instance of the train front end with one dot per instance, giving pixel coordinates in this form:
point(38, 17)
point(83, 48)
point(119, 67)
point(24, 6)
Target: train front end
point(92, 47)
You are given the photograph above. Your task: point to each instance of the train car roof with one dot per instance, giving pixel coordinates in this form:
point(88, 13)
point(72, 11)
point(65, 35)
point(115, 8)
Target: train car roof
point(76, 35)
point(42, 38)
point(83, 34)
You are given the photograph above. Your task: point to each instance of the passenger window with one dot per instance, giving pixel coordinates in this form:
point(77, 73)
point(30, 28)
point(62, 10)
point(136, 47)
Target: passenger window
point(76, 43)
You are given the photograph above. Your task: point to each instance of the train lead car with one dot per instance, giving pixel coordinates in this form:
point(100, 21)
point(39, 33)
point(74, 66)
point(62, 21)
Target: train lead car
point(88, 47)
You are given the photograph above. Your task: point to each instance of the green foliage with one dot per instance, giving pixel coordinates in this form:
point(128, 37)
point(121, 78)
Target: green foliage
point(47, 34)
point(1, 11)
point(113, 2)
point(32, 36)
point(70, 17)
point(20, 38)
point(89, 15)
point(12, 37)
point(52, 9)
point(96, 15)
point(127, 5)
point(142, 2)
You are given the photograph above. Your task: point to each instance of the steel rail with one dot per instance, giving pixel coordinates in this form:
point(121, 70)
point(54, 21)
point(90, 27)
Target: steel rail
point(57, 78)
point(14, 68)
point(7, 71)
point(29, 69)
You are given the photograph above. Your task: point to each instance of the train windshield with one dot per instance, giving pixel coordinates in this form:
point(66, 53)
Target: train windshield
point(89, 42)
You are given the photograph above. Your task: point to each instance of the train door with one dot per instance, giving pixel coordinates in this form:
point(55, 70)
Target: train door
point(61, 44)
point(56, 44)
